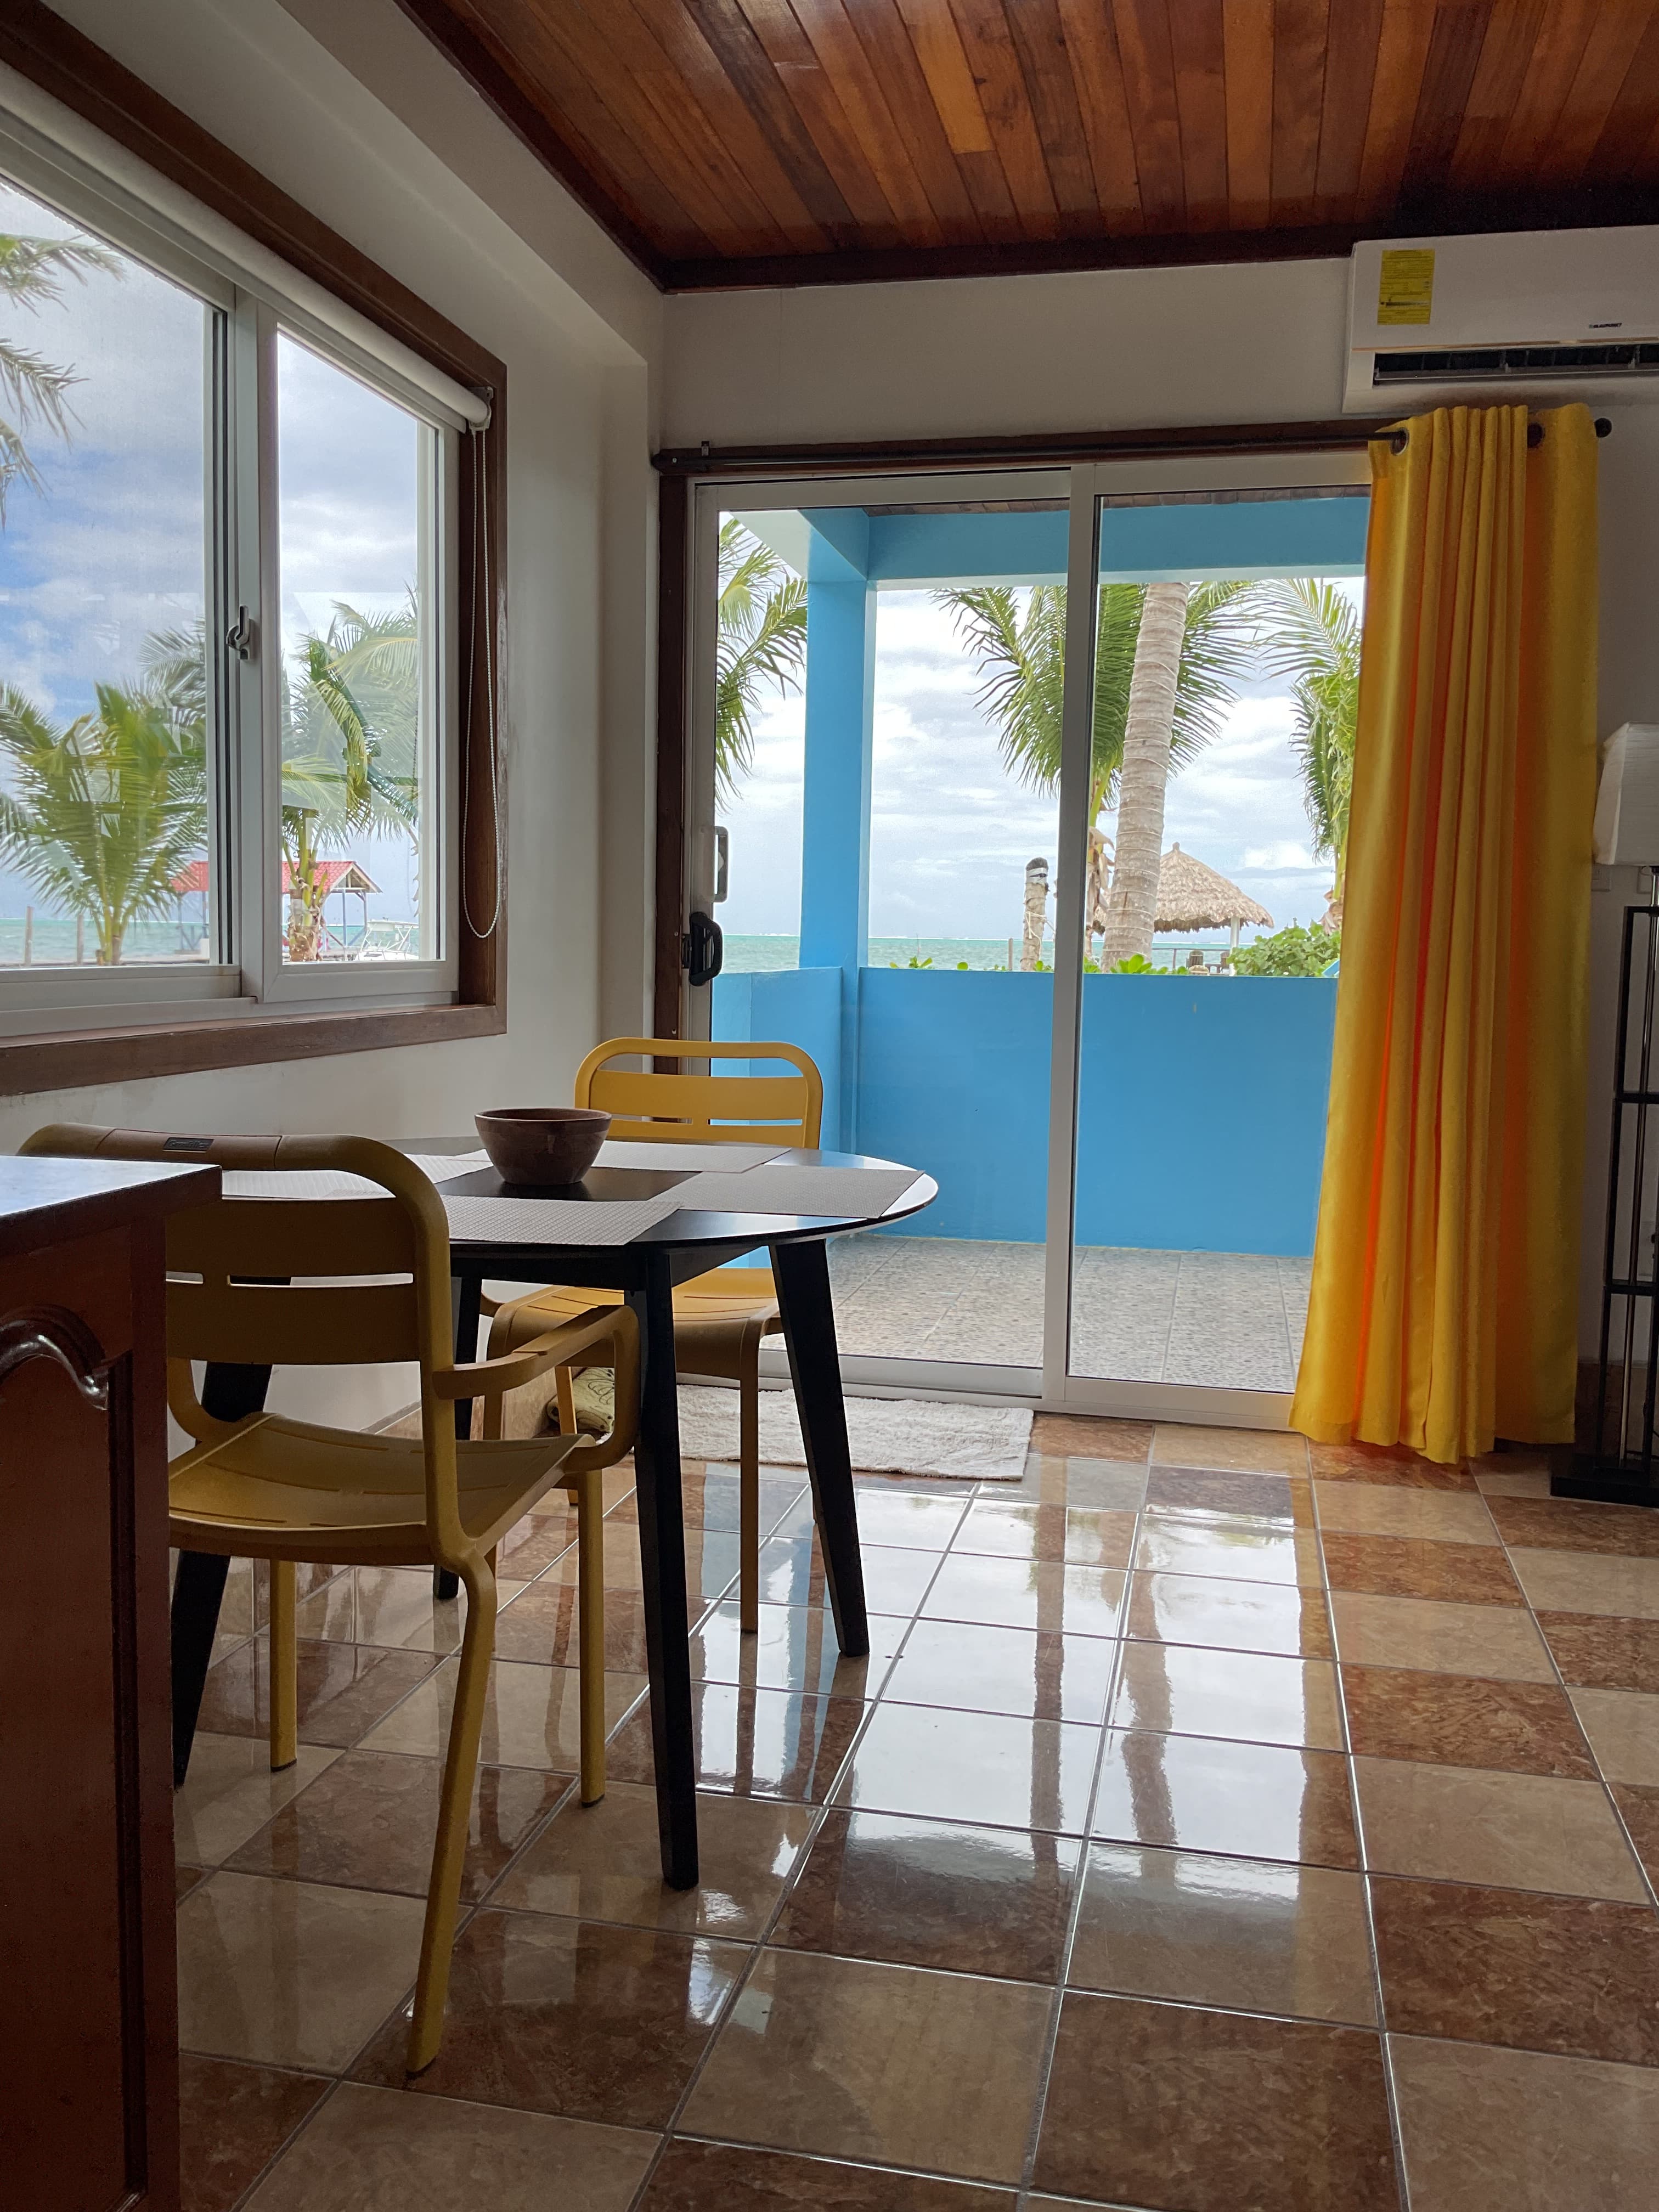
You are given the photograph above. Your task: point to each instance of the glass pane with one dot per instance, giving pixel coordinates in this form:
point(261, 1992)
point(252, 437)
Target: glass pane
point(1226, 677)
point(104, 854)
point(359, 818)
point(893, 850)
point(760, 738)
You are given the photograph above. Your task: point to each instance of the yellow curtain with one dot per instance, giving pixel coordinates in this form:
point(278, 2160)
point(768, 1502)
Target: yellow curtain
point(1443, 1310)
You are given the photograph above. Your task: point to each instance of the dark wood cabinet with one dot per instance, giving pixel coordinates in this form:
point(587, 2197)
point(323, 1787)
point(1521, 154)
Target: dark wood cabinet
point(88, 2067)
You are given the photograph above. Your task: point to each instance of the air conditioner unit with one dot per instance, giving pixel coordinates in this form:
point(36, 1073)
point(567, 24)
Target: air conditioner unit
point(1546, 315)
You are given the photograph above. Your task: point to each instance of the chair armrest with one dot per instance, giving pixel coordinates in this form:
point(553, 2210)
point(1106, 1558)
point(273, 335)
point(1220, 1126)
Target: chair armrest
point(605, 1451)
point(485, 1378)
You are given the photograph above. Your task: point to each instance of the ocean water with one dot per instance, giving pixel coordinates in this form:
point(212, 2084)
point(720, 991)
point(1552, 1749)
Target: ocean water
point(52, 941)
point(765, 955)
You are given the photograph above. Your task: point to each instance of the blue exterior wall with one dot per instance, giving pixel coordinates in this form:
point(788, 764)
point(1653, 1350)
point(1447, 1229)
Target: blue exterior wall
point(1241, 537)
point(1201, 1106)
point(800, 1005)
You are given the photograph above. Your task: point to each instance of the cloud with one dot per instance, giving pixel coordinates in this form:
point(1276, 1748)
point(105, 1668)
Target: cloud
point(1280, 859)
point(951, 830)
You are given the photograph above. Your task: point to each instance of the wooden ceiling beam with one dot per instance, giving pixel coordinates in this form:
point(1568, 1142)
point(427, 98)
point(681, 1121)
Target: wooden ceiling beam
point(1038, 38)
point(749, 143)
point(1610, 52)
point(1356, 28)
point(1097, 71)
point(1621, 150)
point(1143, 41)
point(501, 92)
point(881, 31)
point(983, 30)
point(1301, 32)
point(1198, 50)
point(886, 148)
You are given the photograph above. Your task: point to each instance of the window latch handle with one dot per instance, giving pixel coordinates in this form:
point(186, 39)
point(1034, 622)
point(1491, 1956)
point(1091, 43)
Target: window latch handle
point(240, 636)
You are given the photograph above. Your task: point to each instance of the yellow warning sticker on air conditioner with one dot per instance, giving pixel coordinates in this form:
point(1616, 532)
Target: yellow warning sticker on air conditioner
point(1404, 288)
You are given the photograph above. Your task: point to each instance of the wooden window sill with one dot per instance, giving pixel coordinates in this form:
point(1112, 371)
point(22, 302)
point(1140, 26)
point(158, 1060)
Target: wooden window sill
point(71, 1059)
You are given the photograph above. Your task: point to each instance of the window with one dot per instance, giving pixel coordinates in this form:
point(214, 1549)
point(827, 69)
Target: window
point(229, 745)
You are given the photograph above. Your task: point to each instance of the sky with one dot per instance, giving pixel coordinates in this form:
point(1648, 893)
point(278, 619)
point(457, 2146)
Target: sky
point(111, 548)
point(951, 830)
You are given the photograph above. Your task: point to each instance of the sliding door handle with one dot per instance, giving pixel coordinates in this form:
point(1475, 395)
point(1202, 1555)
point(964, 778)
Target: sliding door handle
point(702, 949)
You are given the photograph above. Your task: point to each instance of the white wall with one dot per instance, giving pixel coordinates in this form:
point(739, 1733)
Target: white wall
point(1093, 351)
point(505, 253)
point(1127, 348)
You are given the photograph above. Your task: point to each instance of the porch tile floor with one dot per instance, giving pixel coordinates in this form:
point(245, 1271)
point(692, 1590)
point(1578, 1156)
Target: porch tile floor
point(1230, 1319)
point(1148, 1861)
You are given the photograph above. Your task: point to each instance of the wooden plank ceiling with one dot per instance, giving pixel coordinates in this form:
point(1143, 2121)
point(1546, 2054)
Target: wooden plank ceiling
point(766, 142)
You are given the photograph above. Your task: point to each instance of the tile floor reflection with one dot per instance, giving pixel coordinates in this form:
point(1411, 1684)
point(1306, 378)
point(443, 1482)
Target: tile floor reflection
point(1203, 1800)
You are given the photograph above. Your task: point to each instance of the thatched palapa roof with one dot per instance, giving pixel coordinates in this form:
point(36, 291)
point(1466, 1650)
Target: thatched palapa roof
point(1193, 897)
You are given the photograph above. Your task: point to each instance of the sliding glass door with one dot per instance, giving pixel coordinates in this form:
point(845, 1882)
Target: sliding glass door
point(1020, 797)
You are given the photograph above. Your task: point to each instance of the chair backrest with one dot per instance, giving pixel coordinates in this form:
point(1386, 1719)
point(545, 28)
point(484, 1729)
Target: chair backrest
point(703, 1109)
point(266, 1281)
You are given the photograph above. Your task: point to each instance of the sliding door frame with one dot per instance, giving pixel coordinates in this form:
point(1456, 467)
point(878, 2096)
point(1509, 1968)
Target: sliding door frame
point(1282, 455)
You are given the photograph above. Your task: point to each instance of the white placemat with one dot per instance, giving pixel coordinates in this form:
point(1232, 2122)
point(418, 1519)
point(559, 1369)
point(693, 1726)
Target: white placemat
point(864, 1191)
point(729, 1158)
point(554, 1220)
point(303, 1182)
point(336, 1182)
point(444, 1167)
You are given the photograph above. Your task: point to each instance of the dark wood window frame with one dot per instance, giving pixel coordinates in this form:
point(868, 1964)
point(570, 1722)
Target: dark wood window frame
point(40, 46)
point(680, 467)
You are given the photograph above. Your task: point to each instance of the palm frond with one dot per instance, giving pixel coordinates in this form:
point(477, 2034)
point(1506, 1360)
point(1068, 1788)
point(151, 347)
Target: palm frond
point(760, 642)
point(36, 391)
point(1312, 633)
point(1022, 657)
point(102, 815)
point(33, 269)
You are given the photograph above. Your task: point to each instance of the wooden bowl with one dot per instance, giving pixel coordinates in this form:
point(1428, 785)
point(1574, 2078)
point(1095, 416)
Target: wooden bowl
point(543, 1146)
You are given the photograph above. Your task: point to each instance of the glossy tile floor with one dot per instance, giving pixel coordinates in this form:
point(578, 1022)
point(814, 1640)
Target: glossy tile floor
point(1228, 1320)
point(1215, 1826)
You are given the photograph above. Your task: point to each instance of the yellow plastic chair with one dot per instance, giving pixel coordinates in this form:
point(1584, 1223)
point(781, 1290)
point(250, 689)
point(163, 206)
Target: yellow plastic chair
point(720, 1318)
point(264, 1282)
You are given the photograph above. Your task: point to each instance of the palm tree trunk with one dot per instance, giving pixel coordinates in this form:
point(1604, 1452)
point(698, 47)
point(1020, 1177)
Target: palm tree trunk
point(1132, 906)
point(1036, 910)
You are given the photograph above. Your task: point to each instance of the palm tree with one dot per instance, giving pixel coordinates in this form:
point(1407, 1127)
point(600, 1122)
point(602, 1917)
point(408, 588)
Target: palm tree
point(102, 815)
point(1131, 914)
point(760, 639)
point(350, 750)
point(34, 390)
point(1021, 653)
point(1313, 635)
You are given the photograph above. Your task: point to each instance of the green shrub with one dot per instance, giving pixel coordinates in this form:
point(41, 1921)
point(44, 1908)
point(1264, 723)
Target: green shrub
point(1137, 964)
point(1293, 951)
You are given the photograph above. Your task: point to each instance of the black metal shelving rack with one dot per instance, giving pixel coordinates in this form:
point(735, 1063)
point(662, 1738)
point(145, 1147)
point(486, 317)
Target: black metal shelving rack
point(1618, 1466)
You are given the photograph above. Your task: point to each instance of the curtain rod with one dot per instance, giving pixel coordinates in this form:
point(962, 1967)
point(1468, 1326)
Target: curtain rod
point(1398, 440)
point(924, 455)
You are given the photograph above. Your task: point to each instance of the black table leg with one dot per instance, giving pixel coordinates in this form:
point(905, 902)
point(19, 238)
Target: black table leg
point(662, 1561)
point(467, 1302)
point(228, 1394)
point(801, 1272)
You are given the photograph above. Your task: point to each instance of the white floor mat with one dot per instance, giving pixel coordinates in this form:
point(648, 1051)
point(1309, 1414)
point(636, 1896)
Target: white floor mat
point(888, 1436)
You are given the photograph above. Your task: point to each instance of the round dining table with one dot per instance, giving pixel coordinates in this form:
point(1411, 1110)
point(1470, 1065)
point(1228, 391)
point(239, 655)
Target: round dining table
point(523, 1242)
